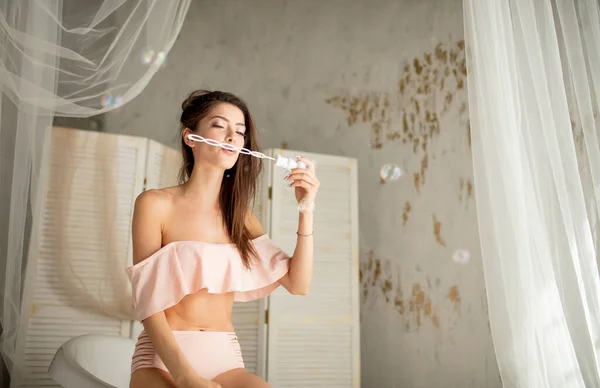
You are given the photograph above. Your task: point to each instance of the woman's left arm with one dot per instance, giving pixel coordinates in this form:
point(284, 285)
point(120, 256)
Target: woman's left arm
point(297, 281)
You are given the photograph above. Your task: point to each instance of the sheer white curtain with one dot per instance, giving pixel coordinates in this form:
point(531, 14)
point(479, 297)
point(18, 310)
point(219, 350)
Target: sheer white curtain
point(74, 58)
point(534, 96)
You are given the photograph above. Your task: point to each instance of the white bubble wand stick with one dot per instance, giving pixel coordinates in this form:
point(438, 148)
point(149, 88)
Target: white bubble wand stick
point(281, 161)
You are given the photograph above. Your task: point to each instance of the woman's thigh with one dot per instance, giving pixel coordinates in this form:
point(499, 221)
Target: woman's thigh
point(151, 378)
point(239, 378)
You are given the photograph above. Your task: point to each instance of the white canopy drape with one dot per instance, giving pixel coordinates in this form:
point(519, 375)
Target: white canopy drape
point(534, 98)
point(62, 58)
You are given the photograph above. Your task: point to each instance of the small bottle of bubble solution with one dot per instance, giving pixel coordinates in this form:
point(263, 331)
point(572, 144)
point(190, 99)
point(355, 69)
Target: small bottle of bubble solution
point(288, 163)
point(304, 206)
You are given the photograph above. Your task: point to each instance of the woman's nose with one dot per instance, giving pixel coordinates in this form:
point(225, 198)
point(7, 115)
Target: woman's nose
point(229, 137)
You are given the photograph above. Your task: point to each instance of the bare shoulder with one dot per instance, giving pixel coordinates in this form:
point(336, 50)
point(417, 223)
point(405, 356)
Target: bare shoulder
point(253, 225)
point(152, 200)
point(150, 210)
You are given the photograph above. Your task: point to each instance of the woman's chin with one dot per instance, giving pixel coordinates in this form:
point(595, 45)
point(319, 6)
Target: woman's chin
point(226, 164)
point(222, 162)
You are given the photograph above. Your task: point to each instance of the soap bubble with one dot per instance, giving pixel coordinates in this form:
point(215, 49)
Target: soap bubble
point(160, 58)
point(150, 56)
point(147, 56)
point(390, 172)
point(118, 101)
point(461, 256)
point(110, 101)
point(306, 205)
point(107, 100)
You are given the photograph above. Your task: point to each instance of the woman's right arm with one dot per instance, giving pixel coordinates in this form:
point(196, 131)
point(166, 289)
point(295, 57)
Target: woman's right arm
point(146, 230)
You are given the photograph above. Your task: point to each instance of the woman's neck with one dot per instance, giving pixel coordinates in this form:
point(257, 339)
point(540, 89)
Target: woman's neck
point(203, 188)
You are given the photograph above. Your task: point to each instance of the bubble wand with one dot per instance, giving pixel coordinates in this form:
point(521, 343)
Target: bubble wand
point(281, 161)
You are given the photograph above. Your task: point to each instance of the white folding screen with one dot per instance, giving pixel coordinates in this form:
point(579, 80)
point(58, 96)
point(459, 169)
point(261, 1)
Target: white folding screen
point(91, 178)
point(313, 340)
point(162, 166)
point(92, 181)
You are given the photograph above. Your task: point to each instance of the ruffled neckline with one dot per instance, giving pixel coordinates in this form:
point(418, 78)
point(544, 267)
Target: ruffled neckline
point(185, 267)
point(190, 242)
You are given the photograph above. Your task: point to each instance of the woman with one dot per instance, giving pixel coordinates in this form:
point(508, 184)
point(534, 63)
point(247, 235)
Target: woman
point(197, 248)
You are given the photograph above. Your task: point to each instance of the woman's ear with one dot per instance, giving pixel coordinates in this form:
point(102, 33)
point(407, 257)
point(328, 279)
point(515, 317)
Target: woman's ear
point(188, 141)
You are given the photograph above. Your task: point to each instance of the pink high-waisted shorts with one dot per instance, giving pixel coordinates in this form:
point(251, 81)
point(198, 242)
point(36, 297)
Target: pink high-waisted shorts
point(210, 352)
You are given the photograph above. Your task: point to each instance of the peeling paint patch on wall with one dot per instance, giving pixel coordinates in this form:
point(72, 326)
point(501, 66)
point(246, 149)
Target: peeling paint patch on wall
point(430, 86)
point(437, 232)
point(423, 303)
point(465, 190)
point(454, 297)
point(406, 212)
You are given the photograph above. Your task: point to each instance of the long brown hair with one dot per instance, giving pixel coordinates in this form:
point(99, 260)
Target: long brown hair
point(239, 183)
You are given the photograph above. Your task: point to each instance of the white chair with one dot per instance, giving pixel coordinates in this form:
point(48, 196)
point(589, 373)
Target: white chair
point(93, 361)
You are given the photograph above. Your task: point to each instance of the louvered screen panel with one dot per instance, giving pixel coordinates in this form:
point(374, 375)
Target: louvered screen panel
point(92, 179)
point(313, 340)
point(162, 167)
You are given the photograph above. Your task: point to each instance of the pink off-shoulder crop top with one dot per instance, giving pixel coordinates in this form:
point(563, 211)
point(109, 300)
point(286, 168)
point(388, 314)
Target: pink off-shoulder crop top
point(181, 268)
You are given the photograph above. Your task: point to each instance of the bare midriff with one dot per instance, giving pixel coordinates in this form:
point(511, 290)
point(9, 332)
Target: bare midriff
point(202, 311)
